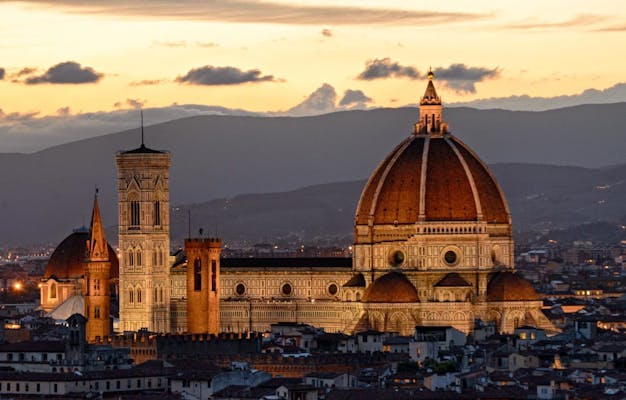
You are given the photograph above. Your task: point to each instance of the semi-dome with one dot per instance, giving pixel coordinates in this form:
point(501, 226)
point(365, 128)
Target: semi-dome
point(68, 259)
point(431, 177)
point(509, 286)
point(393, 287)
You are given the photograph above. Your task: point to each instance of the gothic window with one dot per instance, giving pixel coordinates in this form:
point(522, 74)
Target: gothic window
point(96, 312)
point(135, 215)
point(139, 263)
point(131, 295)
point(131, 257)
point(138, 295)
point(161, 295)
point(197, 275)
point(53, 291)
point(157, 213)
point(161, 257)
point(96, 286)
point(213, 275)
point(154, 297)
point(154, 258)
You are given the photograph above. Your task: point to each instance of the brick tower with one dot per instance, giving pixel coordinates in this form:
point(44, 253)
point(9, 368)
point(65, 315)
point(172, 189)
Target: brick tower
point(203, 285)
point(97, 279)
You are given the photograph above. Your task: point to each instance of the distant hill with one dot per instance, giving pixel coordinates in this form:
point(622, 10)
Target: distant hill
point(45, 194)
point(541, 198)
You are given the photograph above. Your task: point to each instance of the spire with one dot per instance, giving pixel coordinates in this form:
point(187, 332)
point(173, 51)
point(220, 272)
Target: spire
point(431, 111)
point(97, 249)
point(430, 96)
point(143, 146)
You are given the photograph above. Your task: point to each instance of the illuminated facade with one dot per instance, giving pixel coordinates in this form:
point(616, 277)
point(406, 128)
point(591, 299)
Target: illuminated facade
point(144, 239)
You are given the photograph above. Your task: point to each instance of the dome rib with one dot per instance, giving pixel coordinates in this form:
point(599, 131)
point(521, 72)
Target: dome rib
point(470, 178)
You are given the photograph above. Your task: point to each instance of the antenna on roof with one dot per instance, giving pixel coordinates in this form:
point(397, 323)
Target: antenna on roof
point(141, 113)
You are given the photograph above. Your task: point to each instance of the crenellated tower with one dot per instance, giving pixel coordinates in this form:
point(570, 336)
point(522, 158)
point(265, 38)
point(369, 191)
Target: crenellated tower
point(203, 285)
point(144, 239)
point(97, 278)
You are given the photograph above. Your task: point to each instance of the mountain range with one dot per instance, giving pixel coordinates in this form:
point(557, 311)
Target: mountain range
point(46, 194)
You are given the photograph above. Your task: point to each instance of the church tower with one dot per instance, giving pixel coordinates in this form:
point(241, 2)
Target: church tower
point(97, 278)
point(144, 239)
point(203, 285)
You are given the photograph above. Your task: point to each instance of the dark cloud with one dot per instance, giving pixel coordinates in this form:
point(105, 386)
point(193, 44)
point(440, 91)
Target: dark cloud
point(209, 75)
point(459, 77)
point(148, 82)
point(354, 98)
point(2, 73)
point(68, 72)
point(251, 11)
point(380, 68)
point(321, 101)
point(327, 32)
point(462, 78)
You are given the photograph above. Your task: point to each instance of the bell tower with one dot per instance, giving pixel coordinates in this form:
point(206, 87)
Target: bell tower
point(144, 238)
point(97, 278)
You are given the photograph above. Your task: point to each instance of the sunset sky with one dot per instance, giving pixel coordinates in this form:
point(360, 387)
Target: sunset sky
point(60, 58)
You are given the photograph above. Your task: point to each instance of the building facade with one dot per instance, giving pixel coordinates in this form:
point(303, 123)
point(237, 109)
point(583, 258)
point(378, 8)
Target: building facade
point(144, 239)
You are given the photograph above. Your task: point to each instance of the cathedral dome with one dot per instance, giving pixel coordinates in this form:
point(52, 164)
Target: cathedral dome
point(509, 286)
point(431, 177)
point(392, 287)
point(68, 259)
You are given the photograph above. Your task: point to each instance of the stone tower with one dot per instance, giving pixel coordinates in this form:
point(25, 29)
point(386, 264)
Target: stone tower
point(144, 239)
point(97, 279)
point(203, 285)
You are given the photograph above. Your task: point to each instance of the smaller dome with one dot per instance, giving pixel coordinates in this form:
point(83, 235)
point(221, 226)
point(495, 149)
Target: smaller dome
point(509, 286)
point(393, 287)
point(68, 259)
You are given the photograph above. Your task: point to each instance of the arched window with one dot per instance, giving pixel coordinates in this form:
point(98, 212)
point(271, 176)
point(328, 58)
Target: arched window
point(135, 214)
point(154, 297)
point(131, 257)
point(197, 275)
point(53, 291)
point(138, 295)
point(131, 295)
point(157, 213)
point(161, 294)
point(138, 259)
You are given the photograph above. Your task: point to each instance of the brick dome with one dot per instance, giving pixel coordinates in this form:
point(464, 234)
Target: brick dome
point(431, 178)
point(509, 286)
point(393, 287)
point(68, 259)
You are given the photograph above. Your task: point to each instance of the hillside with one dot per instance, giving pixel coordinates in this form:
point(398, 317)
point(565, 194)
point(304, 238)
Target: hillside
point(46, 194)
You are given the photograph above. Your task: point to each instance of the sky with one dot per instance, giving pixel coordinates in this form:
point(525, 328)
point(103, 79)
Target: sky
point(71, 69)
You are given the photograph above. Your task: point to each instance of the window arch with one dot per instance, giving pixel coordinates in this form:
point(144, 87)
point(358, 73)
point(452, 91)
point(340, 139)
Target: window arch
point(154, 296)
point(131, 295)
point(138, 294)
point(157, 213)
point(135, 214)
point(138, 258)
point(130, 257)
